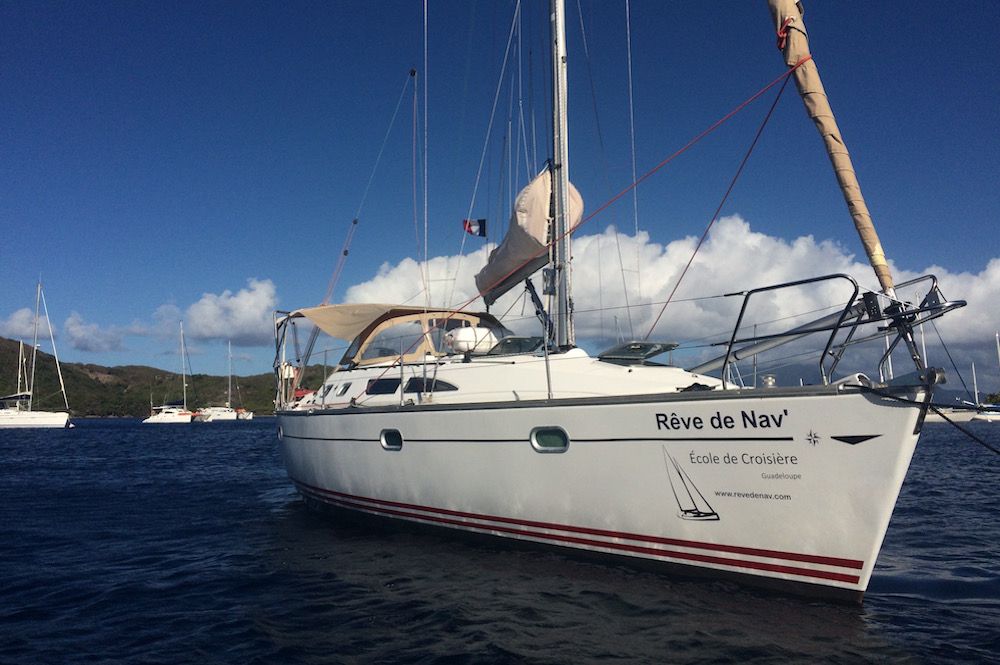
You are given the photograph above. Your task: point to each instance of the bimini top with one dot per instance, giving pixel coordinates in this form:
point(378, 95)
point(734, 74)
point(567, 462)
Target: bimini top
point(348, 321)
point(375, 329)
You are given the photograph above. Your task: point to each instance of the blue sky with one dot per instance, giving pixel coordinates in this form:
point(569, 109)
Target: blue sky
point(203, 161)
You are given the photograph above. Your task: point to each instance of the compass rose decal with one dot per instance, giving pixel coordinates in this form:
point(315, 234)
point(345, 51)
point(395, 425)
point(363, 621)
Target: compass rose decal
point(812, 438)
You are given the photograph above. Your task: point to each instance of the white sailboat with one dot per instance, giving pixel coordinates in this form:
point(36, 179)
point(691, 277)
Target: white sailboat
point(173, 414)
point(445, 418)
point(17, 409)
point(212, 414)
point(985, 413)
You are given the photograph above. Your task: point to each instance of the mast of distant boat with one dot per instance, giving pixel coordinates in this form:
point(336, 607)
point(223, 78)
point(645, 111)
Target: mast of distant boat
point(229, 397)
point(22, 369)
point(34, 348)
point(55, 352)
point(997, 336)
point(29, 378)
point(975, 385)
point(184, 385)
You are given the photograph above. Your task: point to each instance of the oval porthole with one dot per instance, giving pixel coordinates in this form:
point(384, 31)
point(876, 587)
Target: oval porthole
point(549, 439)
point(391, 439)
point(281, 433)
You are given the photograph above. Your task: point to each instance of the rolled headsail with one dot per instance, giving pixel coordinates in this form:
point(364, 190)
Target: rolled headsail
point(794, 42)
point(525, 247)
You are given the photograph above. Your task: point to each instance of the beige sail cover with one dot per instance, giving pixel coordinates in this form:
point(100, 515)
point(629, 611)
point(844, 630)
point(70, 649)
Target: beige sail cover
point(796, 47)
point(525, 247)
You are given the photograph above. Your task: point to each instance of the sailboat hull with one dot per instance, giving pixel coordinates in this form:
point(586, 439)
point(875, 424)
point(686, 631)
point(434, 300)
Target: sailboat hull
point(170, 416)
point(214, 414)
point(14, 418)
point(794, 485)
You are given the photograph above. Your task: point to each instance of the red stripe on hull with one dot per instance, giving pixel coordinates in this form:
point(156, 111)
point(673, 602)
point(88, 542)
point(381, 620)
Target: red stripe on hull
point(444, 517)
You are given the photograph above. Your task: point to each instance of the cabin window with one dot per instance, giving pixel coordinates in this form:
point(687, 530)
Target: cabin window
point(382, 386)
point(398, 339)
point(422, 385)
point(391, 439)
point(549, 439)
point(342, 390)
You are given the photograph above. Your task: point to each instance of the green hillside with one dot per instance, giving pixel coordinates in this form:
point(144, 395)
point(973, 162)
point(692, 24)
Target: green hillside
point(94, 390)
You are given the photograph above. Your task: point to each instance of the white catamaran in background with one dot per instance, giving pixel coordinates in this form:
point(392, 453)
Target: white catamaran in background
point(17, 409)
point(174, 413)
point(446, 418)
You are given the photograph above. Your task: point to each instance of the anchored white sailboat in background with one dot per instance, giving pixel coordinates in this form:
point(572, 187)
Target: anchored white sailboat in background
point(210, 414)
point(17, 409)
point(446, 418)
point(985, 413)
point(173, 413)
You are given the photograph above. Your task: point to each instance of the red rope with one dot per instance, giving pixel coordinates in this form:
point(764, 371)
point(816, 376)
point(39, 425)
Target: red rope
point(718, 210)
point(711, 128)
point(783, 32)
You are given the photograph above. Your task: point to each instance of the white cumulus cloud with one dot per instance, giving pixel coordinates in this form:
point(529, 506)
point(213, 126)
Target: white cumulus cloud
point(243, 317)
point(733, 258)
point(21, 325)
point(85, 336)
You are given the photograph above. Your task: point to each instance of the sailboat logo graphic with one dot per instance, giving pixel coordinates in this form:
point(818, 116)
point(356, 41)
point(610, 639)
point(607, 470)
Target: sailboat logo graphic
point(691, 503)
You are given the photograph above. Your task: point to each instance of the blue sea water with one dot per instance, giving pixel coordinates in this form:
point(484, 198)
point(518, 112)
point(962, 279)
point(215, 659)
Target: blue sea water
point(123, 543)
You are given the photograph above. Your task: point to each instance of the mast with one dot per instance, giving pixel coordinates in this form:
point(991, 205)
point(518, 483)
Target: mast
point(997, 336)
point(184, 384)
point(562, 308)
point(794, 43)
point(22, 370)
point(34, 346)
point(55, 352)
point(229, 398)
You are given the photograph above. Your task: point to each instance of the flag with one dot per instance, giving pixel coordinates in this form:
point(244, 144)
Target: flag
point(476, 227)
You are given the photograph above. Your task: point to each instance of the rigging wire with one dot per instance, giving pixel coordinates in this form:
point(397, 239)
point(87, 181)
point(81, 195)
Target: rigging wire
point(951, 360)
point(486, 141)
point(522, 133)
point(604, 178)
point(349, 238)
point(415, 165)
point(718, 210)
point(335, 277)
point(783, 77)
point(427, 276)
point(936, 409)
point(631, 135)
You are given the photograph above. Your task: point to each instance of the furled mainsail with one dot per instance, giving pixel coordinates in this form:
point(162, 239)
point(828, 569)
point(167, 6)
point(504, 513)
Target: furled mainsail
point(794, 42)
point(524, 248)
